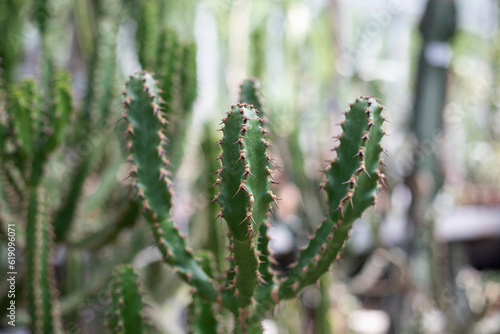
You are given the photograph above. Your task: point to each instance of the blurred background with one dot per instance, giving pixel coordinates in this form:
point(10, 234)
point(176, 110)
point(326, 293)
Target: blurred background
point(426, 259)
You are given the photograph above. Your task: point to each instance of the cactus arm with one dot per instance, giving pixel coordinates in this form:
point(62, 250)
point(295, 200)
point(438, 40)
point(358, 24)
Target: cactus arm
point(244, 191)
point(104, 24)
point(21, 101)
point(42, 292)
point(364, 196)
point(201, 316)
point(60, 112)
point(244, 177)
point(339, 174)
point(32, 124)
point(267, 283)
point(187, 96)
point(189, 84)
point(215, 237)
point(127, 308)
point(204, 321)
point(107, 93)
point(12, 188)
point(167, 68)
point(147, 33)
point(250, 93)
point(234, 204)
point(152, 186)
point(11, 45)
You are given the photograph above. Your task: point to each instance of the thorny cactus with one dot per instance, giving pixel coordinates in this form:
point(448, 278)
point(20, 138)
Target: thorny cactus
point(250, 288)
point(126, 311)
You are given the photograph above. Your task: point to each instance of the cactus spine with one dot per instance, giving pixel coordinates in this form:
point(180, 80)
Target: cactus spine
point(251, 288)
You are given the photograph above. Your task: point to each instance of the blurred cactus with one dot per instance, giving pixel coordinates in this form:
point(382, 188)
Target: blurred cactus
point(126, 305)
point(31, 130)
point(36, 155)
point(42, 292)
point(250, 288)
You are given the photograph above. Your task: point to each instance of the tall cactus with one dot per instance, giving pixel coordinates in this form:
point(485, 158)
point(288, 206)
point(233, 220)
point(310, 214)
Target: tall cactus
point(251, 288)
point(35, 125)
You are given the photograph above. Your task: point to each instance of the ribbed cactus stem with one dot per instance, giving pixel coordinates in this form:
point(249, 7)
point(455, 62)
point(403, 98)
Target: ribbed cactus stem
point(126, 309)
point(146, 127)
point(363, 186)
point(147, 33)
point(244, 197)
point(351, 185)
point(59, 112)
point(39, 128)
point(23, 102)
point(42, 291)
point(251, 93)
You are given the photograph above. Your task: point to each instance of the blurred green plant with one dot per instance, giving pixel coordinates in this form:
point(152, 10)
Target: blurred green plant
point(60, 161)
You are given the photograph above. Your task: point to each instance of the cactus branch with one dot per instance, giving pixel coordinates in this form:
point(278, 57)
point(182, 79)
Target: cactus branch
point(152, 185)
point(127, 308)
point(42, 292)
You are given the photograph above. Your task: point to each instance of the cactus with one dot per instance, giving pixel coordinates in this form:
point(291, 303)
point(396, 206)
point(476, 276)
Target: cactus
point(42, 292)
point(126, 306)
point(250, 289)
point(39, 128)
point(152, 184)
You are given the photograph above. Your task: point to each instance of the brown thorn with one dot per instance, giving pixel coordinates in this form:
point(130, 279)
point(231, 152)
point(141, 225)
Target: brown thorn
point(242, 186)
point(215, 198)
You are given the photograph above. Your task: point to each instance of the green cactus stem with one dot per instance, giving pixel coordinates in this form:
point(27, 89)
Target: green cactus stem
point(39, 128)
point(351, 186)
point(201, 315)
point(244, 197)
point(146, 36)
point(42, 292)
point(251, 93)
point(152, 184)
point(126, 314)
point(364, 185)
point(176, 72)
